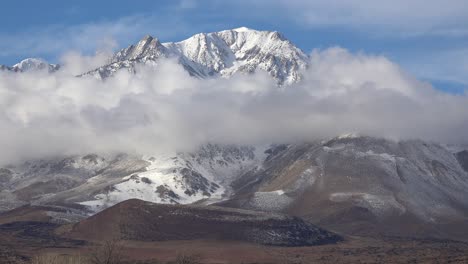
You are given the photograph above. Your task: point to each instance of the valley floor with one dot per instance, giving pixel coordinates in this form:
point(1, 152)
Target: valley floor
point(352, 250)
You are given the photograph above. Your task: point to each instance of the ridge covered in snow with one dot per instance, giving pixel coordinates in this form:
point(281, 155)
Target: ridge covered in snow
point(31, 64)
point(222, 53)
point(101, 181)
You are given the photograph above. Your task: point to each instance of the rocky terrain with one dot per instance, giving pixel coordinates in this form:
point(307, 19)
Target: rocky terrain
point(93, 182)
point(363, 185)
point(353, 184)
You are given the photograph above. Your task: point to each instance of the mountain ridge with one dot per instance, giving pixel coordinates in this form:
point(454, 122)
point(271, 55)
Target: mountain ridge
point(221, 53)
point(365, 180)
point(30, 65)
point(352, 184)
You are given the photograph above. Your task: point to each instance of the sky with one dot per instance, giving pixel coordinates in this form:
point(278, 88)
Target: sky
point(427, 38)
point(367, 74)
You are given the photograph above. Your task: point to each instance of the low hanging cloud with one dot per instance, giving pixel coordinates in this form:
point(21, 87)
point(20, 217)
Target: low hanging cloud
point(162, 108)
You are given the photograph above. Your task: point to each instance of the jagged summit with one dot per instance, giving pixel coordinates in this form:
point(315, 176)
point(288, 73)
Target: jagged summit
point(148, 46)
point(222, 54)
point(203, 55)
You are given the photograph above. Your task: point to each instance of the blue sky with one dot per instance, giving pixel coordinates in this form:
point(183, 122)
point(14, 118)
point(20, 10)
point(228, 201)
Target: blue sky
point(429, 39)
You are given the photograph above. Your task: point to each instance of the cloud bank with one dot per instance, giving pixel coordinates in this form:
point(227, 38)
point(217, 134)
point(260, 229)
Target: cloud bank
point(162, 108)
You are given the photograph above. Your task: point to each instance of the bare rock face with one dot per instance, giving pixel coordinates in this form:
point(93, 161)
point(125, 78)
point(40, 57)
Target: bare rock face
point(144, 221)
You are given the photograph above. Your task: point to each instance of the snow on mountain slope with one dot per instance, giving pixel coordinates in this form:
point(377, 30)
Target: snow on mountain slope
point(183, 178)
point(102, 181)
point(34, 64)
point(353, 184)
point(361, 184)
point(148, 47)
point(31, 64)
point(30, 181)
point(221, 53)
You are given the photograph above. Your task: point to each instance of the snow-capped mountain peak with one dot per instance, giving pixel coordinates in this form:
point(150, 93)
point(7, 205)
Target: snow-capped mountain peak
point(34, 64)
point(222, 54)
point(146, 47)
point(31, 64)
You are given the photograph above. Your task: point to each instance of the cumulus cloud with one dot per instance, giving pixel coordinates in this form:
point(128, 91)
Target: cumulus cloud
point(76, 63)
point(163, 108)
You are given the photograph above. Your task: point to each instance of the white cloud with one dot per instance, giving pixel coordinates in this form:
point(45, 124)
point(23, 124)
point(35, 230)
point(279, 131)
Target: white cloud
point(164, 108)
point(401, 17)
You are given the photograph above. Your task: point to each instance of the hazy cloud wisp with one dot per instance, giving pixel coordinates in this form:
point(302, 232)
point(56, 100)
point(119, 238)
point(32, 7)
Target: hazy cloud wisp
point(161, 109)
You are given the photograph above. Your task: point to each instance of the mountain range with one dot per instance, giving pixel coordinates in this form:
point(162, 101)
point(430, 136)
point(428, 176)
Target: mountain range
point(349, 183)
point(205, 55)
point(31, 64)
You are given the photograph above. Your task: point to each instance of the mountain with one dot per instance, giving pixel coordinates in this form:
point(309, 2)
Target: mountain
point(143, 221)
point(216, 54)
point(31, 64)
point(363, 185)
point(352, 184)
point(5, 68)
point(97, 182)
point(204, 55)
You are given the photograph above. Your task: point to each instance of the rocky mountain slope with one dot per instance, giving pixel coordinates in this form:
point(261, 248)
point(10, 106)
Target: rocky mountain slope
point(362, 185)
point(96, 182)
point(353, 184)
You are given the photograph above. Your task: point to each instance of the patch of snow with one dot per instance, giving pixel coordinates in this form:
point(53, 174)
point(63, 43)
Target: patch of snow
point(279, 192)
point(336, 147)
point(348, 135)
point(382, 156)
point(184, 178)
point(378, 204)
point(274, 201)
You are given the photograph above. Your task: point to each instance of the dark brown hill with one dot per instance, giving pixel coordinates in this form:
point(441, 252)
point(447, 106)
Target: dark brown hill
point(144, 221)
